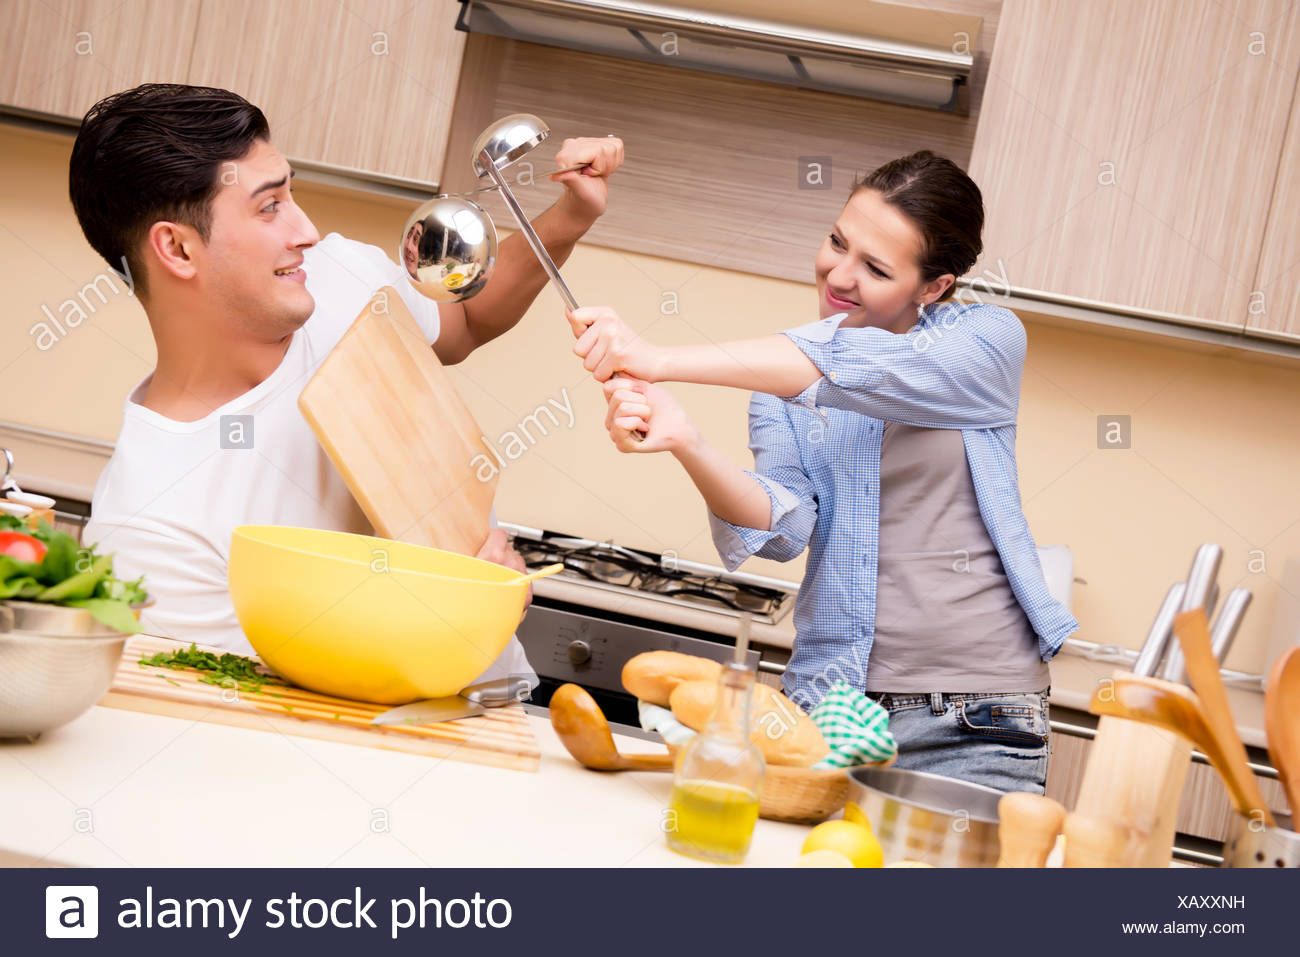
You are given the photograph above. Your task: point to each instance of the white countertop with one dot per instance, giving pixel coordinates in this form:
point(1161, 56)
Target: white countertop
point(117, 788)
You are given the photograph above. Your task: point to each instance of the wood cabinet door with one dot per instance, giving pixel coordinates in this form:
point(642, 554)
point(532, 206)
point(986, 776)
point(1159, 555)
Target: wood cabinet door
point(1275, 300)
point(1127, 149)
point(61, 56)
point(360, 86)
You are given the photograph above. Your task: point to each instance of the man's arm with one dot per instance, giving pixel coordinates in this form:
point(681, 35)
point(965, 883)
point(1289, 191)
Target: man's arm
point(518, 276)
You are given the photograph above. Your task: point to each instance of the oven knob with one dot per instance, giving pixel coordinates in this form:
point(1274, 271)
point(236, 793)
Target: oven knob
point(579, 652)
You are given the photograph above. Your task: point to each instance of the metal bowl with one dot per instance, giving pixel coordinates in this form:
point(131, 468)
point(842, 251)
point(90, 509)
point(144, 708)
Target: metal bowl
point(448, 248)
point(919, 816)
point(1249, 846)
point(55, 663)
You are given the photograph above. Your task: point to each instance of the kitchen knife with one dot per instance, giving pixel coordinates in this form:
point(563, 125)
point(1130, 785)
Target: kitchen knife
point(474, 700)
point(1222, 634)
point(1202, 592)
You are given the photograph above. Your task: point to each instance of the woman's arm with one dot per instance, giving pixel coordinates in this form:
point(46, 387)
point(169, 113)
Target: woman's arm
point(960, 371)
point(730, 493)
point(768, 515)
point(771, 364)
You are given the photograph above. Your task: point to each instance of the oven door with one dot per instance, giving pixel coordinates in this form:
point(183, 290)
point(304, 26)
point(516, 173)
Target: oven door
point(589, 647)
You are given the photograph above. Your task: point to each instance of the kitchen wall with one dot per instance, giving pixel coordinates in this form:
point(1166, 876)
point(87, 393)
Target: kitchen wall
point(1213, 457)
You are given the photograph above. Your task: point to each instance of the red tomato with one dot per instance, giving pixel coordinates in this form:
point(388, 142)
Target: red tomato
point(22, 547)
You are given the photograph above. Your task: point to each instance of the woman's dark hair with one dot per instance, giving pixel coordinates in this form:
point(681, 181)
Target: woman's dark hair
point(942, 202)
point(154, 153)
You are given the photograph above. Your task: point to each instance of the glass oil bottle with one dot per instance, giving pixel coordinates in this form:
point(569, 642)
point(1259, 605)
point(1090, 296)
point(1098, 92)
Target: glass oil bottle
point(719, 773)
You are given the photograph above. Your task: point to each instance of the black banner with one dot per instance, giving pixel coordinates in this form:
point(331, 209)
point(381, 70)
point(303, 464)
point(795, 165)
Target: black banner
point(194, 912)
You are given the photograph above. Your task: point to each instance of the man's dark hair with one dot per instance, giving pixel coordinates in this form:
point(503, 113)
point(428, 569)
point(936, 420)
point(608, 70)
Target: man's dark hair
point(155, 153)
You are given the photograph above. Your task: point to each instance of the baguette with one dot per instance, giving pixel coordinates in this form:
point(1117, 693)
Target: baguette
point(652, 675)
point(779, 728)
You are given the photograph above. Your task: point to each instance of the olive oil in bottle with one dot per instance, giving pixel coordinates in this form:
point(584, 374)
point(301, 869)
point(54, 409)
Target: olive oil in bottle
point(719, 774)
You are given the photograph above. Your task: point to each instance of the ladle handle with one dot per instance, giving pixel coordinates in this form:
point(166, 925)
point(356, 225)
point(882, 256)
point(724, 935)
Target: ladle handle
point(539, 250)
point(531, 235)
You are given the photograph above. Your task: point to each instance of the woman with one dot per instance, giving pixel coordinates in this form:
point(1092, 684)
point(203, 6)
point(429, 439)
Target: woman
point(884, 444)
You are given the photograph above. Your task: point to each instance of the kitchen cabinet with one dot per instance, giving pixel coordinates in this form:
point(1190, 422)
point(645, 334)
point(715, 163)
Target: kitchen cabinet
point(61, 56)
point(363, 87)
point(1275, 304)
point(1127, 152)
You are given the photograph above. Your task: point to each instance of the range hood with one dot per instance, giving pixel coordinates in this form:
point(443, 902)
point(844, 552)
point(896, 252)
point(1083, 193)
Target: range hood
point(878, 50)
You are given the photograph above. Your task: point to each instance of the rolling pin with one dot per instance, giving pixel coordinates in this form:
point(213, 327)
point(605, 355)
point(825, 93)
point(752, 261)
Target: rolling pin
point(1027, 828)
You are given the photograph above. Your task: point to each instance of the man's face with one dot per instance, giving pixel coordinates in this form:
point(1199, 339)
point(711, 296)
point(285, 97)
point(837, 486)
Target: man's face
point(253, 259)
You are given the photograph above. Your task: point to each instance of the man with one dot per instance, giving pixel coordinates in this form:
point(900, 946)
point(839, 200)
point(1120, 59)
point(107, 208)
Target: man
point(181, 188)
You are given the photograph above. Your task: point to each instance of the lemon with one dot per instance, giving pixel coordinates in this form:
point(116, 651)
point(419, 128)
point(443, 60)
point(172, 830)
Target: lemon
point(823, 858)
point(858, 816)
point(854, 841)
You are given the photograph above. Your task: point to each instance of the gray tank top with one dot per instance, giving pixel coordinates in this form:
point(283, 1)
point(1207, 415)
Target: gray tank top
point(946, 618)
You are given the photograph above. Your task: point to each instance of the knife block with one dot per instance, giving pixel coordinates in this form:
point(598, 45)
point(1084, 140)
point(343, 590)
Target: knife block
point(1135, 776)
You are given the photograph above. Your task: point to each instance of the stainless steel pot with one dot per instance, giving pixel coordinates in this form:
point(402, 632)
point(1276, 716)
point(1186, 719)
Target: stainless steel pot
point(55, 663)
point(919, 816)
point(1258, 846)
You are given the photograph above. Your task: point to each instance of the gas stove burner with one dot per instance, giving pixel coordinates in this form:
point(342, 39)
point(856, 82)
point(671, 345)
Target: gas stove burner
point(612, 572)
point(631, 571)
point(748, 601)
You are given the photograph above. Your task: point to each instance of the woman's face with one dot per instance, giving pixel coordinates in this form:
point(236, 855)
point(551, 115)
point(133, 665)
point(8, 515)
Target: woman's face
point(868, 266)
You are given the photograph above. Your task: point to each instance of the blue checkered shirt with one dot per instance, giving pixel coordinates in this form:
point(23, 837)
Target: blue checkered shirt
point(818, 456)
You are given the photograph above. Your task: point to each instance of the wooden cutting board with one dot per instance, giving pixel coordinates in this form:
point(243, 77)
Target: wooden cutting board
point(502, 737)
point(386, 413)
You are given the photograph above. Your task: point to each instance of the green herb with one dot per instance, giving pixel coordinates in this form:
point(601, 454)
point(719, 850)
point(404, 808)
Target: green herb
point(224, 670)
point(70, 575)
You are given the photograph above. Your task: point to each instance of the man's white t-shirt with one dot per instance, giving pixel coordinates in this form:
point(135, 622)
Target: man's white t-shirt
point(170, 497)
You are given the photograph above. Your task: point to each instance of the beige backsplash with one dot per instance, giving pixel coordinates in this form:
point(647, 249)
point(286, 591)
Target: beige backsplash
point(1216, 444)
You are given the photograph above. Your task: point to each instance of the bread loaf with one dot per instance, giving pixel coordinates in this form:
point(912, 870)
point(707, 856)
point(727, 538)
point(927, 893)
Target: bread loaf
point(778, 726)
point(653, 675)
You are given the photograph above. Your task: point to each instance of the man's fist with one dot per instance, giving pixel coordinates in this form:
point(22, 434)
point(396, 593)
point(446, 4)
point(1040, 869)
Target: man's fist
point(586, 191)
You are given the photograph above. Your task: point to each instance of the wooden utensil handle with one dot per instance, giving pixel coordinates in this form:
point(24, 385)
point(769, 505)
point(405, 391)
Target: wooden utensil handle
point(1194, 636)
point(1097, 842)
point(1029, 824)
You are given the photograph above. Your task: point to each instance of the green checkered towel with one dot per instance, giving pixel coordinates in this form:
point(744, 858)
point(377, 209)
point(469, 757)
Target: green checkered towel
point(855, 727)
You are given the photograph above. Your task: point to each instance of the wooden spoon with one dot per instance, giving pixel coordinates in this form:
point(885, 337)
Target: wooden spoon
point(540, 573)
point(1175, 708)
point(1282, 721)
point(584, 731)
point(1193, 633)
point(1027, 828)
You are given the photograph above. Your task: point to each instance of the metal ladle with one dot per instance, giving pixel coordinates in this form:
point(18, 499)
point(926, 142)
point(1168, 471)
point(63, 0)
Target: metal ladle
point(503, 143)
point(449, 248)
point(448, 244)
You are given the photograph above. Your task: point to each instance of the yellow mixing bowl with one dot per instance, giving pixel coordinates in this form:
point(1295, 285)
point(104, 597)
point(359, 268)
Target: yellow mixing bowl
point(368, 618)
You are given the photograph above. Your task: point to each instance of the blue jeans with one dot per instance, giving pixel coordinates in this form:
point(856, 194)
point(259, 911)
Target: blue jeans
point(1000, 740)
